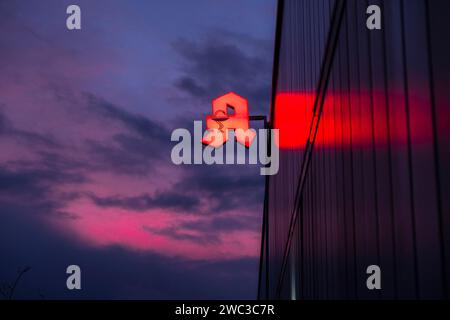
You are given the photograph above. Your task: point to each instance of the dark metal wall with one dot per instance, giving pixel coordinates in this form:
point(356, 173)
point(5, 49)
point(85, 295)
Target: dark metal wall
point(371, 185)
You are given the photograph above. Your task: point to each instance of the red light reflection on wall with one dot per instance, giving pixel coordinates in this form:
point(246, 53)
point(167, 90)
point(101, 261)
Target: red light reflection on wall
point(293, 113)
point(222, 121)
point(356, 118)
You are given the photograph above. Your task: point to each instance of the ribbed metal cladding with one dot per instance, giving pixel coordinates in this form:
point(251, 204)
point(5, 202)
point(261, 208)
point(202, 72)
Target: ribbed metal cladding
point(371, 185)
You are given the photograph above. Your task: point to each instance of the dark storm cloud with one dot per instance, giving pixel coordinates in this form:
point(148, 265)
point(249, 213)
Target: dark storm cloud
point(165, 200)
point(219, 64)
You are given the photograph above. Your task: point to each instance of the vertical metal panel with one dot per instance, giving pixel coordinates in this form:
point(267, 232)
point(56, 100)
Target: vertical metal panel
point(403, 219)
point(439, 53)
point(382, 160)
point(375, 188)
point(422, 153)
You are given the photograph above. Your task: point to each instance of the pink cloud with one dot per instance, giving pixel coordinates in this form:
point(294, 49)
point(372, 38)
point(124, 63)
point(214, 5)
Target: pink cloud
point(144, 231)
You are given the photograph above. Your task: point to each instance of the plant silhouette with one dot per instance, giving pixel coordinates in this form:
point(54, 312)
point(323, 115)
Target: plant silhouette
point(7, 289)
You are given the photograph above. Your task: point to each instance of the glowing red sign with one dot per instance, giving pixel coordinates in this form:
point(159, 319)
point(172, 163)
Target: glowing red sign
point(221, 121)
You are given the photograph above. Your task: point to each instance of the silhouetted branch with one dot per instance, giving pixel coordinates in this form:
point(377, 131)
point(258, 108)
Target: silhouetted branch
point(7, 290)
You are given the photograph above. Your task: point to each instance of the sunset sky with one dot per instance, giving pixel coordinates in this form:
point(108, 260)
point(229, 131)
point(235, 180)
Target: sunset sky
point(85, 171)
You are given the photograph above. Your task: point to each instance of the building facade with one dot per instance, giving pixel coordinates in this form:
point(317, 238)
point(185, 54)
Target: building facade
point(364, 179)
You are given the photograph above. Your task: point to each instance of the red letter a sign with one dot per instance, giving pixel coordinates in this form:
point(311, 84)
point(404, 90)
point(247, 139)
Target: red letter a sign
point(221, 121)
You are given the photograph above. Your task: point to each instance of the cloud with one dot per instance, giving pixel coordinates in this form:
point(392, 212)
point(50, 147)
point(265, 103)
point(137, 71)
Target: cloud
point(137, 149)
point(165, 200)
point(111, 272)
point(222, 62)
point(177, 233)
point(222, 224)
point(34, 188)
point(137, 123)
point(29, 138)
point(85, 180)
point(35, 183)
point(114, 157)
point(191, 86)
point(193, 212)
point(225, 187)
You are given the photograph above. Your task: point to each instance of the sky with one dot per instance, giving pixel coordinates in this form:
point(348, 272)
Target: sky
point(85, 171)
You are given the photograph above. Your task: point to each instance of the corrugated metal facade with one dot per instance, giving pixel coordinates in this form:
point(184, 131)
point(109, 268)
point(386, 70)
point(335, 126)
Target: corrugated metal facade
point(372, 184)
